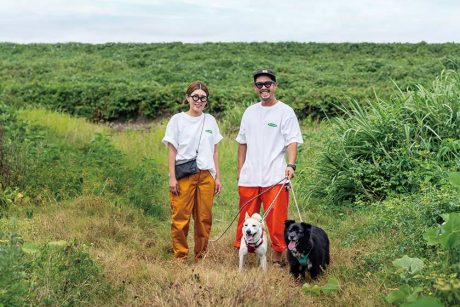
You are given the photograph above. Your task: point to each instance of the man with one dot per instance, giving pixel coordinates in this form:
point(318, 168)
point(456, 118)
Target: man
point(269, 131)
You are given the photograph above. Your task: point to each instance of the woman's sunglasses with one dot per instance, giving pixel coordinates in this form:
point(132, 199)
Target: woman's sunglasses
point(200, 98)
point(267, 84)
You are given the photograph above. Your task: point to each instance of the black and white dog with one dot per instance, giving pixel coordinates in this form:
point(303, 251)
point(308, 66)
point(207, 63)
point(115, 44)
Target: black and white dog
point(308, 248)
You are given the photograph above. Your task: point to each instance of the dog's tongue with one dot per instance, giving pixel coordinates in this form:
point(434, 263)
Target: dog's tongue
point(291, 245)
point(249, 238)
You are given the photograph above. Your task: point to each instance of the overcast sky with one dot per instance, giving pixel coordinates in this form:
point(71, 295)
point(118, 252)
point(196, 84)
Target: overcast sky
point(99, 21)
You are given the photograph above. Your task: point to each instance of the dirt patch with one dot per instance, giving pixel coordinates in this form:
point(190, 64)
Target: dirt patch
point(138, 124)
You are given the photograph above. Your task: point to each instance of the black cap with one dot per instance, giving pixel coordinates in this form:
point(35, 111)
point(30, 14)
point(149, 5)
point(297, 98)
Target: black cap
point(267, 72)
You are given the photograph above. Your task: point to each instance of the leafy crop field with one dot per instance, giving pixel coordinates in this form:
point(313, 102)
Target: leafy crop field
point(84, 213)
point(125, 81)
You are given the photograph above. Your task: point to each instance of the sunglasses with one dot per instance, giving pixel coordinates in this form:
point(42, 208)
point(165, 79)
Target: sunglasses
point(267, 84)
point(200, 98)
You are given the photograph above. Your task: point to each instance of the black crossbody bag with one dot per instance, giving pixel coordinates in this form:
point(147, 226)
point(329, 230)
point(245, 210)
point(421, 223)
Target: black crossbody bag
point(189, 167)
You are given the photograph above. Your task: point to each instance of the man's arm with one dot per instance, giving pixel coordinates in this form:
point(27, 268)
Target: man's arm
point(291, 157)
point(242, 148)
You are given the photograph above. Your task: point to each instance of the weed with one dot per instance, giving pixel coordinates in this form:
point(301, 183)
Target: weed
point(55, 274)
point(392, 148)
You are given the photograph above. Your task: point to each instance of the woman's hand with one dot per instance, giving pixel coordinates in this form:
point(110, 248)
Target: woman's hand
point(173, 186)
point(217, 186)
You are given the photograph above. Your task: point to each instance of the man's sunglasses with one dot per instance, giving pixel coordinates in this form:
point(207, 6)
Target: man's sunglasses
point(201, 98)
point(267, 84)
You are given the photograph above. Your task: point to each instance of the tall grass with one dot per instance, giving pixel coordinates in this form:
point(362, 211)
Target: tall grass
point(393, 147)
point(42, 274)
point(75, 130)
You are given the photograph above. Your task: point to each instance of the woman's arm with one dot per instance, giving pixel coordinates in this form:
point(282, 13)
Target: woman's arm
point(173, 184)
point(218, 185)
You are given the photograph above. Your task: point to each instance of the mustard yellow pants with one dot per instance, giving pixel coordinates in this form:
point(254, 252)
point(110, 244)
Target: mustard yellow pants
point(195, 199)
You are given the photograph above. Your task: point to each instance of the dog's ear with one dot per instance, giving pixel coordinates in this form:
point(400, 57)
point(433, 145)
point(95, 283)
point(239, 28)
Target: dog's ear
point(246, 216)
point(306, 228)
point(288, 223)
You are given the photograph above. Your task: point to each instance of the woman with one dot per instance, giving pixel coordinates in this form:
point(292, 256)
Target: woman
point(190, 135)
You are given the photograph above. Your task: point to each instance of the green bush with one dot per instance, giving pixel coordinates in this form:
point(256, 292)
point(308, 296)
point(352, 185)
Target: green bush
point(438, 276)
point(34, 164)
point(99, 101)
point(145, 188)
point(12, 137)
point(48, 275)
point(14, 285)
point(66, 276)
point(104, 166)
point(393, 147)
point(45, 167)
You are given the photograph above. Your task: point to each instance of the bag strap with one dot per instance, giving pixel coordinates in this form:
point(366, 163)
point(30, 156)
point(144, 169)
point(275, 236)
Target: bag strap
point(199, 141)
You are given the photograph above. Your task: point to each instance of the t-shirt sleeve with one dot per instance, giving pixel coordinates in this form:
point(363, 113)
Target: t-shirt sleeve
point(291, 130)
point(241, 137)
point(171, 133)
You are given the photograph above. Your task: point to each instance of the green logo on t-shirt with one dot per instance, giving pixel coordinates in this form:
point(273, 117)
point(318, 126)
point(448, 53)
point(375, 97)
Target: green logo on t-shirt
point(208, 131)
point(272, 125)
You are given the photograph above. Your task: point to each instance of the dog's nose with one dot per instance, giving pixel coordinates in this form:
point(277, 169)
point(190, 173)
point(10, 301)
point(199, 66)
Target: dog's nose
point(248, 231)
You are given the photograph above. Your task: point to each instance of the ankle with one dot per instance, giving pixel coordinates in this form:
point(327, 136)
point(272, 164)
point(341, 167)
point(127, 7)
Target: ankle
point(277, 256)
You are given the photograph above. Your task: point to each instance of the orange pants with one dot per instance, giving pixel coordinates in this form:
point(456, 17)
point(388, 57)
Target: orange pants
point(195, 199)
point(275, 218)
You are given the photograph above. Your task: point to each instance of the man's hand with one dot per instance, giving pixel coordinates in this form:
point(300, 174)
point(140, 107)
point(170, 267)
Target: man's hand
point(289, 172)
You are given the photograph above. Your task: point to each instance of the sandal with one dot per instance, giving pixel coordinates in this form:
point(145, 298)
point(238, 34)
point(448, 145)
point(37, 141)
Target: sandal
point(277, 264)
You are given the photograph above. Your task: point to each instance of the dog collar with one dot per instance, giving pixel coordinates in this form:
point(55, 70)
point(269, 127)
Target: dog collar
point(302, 258)
point(253, 246)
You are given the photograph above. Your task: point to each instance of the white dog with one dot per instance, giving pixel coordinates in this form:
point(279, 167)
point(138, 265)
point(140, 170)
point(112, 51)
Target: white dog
point(254, 240)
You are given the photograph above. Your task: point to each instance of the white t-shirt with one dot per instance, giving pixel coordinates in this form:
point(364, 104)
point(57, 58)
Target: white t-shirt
point(266, 131)
point(183, 132)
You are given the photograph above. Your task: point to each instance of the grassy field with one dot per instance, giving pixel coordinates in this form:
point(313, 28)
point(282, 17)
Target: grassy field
point(133, 250)
point(84, 210)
